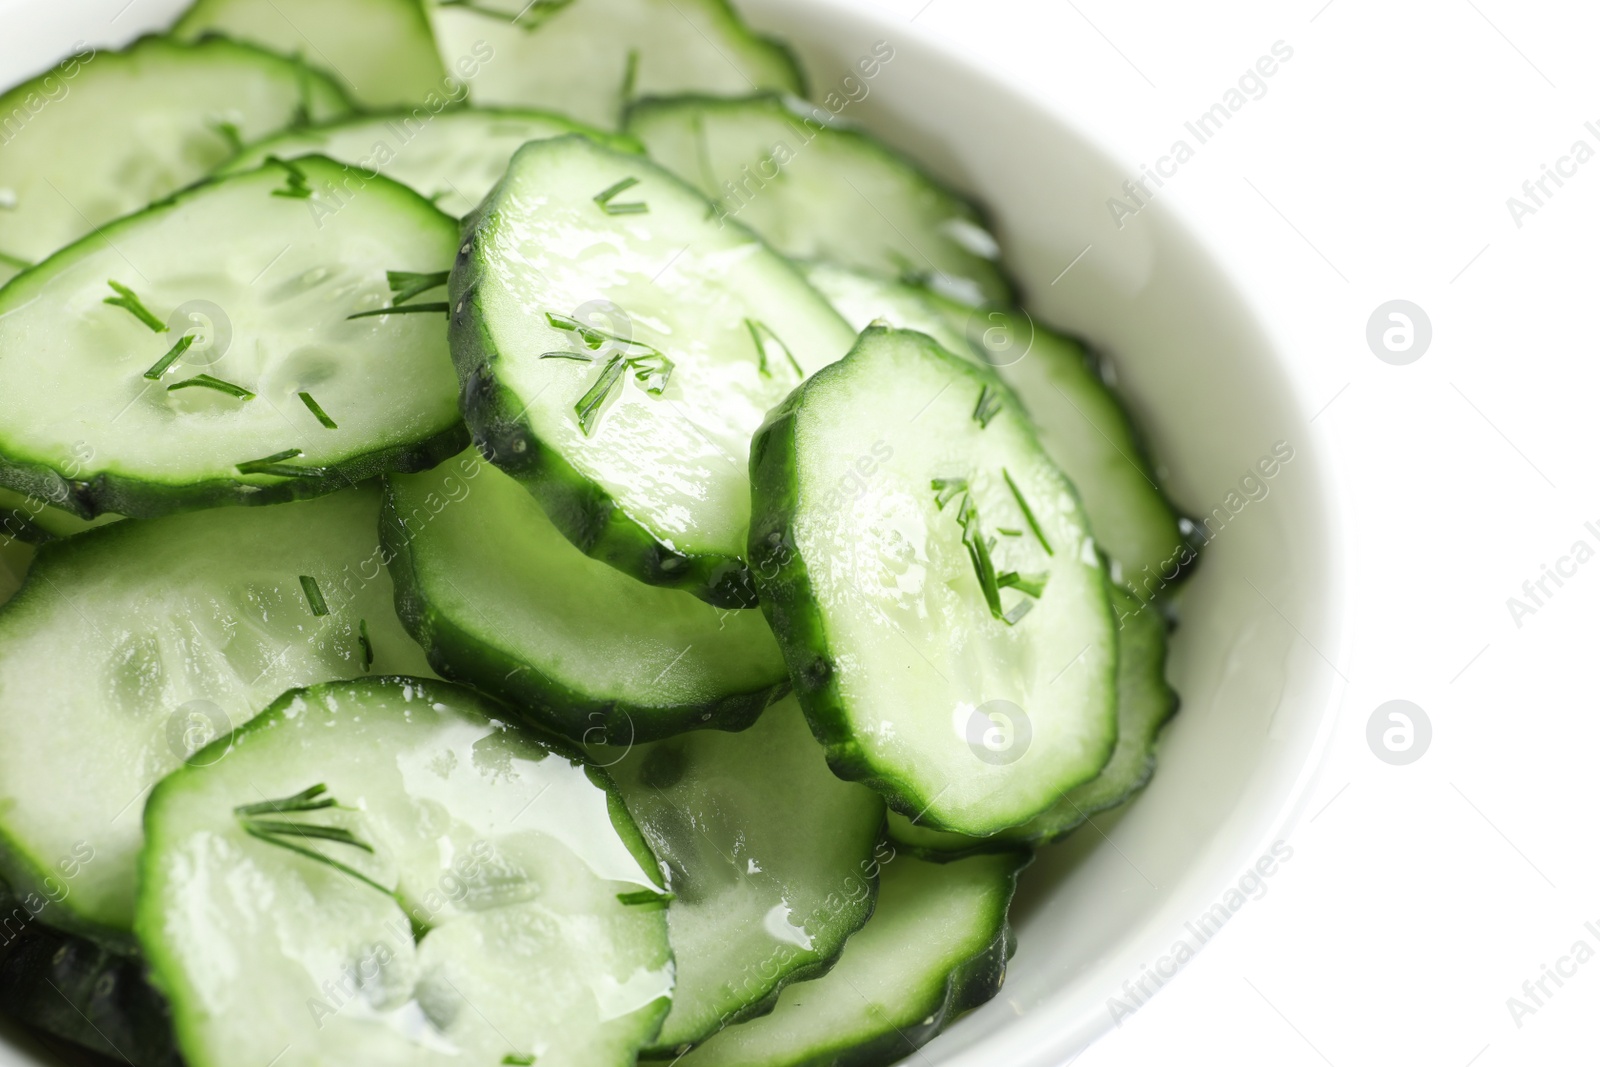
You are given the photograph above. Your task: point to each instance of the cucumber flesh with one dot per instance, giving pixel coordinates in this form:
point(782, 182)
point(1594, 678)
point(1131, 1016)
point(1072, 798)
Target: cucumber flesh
point(937, 946)
point(381, 51)
point(772, 860)
point(815, 188)
point(623, 386)
point(1083, 426)
point(501, 600)
point(864, 298)
point(260, 287)
point(453, 158)
point(929, 576)
point(1145, 703)
point(474, 898)
point(590, 58)
point(113, 131)
point(147, 639)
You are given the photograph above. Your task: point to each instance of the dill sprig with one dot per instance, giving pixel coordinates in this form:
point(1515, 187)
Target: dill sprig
point(129, 301)
point(978, 552)
point(651, 368)
point(408, 309)
point(206, 381)
point(764, 337)
point(593, 336)
point(316, 409)
point(630, 77)
point(1027, 513)
point(313, 592)
point(588, 405)
point(647, 898)
point(312, 799)
point(274, 464)
point(605, 197)
point(405, 284)
point(945, 490)
point(651, 373)
point(311, 830)
point(230, 133)
point(162, 365)
point(1027, 584)
point(297, 188)
point(289, 834)
point(989, 403)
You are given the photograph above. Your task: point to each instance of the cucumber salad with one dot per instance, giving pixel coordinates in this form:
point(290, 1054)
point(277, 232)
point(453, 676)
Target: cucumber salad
point(526, 541)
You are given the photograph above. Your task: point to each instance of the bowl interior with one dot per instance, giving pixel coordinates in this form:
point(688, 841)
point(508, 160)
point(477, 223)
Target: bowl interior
point(1213, 398)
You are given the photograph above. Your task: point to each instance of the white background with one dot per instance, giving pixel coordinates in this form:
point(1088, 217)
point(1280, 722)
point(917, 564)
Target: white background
point(1377, 167)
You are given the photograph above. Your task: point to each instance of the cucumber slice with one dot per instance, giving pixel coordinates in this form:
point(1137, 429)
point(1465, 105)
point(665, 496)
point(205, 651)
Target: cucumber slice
point(928, 574)
point(80, 991)
point(617, 348)
point(27, 518)
point(1145, 703)
point(773, 862)
point(113, 131)
point(94, 410)
point(936, 947)
point(146, 639)
point(590, 58)
point(473, 898)
point(501, 600)
point(453, 158)
point(381, 51)
point(817, 189)
point(1082, 425)
point(864, 298)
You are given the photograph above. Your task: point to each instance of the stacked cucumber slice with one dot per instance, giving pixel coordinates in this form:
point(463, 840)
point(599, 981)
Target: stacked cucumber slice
point(937, 946)
point(490, 897)
point(773, 862)
point(147, 639)
point(624, 388)
point(380, 51)
point(116, 131)
point(453, 160)
point(592, 58)
point(991, 598)
point(494, 593)
point(521, 541)
point(287, 394)
point(768, 162)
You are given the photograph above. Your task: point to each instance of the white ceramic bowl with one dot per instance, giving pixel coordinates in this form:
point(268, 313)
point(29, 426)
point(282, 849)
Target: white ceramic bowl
point(1213, 396)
